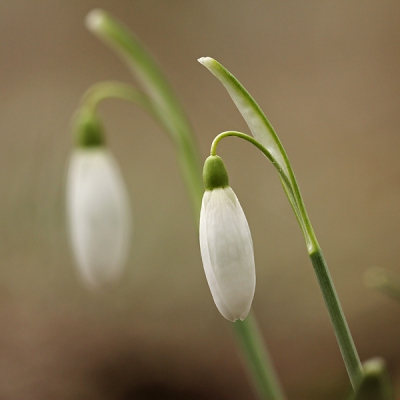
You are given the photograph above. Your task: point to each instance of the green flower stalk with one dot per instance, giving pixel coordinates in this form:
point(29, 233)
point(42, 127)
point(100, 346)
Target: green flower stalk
point(267, 140)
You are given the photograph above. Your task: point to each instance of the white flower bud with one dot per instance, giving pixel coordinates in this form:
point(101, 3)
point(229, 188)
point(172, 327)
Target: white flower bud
point(227, 252)
point(98, 214)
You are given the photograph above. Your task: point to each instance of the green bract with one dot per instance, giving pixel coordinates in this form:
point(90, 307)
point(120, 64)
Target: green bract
point(214, 173)
point(89, 131)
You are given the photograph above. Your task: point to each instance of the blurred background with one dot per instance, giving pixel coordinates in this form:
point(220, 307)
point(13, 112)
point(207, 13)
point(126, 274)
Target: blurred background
point(327, 76)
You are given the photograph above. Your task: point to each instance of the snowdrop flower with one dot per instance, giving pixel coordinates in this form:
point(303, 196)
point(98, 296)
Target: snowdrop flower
point(226, 245)
point(97, 209)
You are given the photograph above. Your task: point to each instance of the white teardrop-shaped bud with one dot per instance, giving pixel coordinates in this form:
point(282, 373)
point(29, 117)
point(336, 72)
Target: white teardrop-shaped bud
point(227, 252)
point(99, 215)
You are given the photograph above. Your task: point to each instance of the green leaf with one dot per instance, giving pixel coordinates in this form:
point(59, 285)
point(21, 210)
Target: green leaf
point(256, 120)
point(264, 133)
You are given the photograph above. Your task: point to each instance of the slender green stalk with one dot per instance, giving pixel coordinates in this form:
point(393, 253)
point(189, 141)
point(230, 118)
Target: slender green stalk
point(342, 331)
point(264, 376)
point(159, 99)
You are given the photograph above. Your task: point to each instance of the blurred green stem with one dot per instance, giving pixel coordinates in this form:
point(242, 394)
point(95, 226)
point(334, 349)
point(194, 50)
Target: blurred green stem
point(113, 89)
point(257, 356)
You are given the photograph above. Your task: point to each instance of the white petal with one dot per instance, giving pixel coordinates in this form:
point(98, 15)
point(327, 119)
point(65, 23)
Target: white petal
point(227, 252)
point(99, 216)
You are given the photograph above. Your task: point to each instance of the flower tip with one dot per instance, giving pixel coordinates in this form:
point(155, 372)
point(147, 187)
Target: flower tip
point(234, 319)
point(94, 19)
point(97, 283)
point(234, 316)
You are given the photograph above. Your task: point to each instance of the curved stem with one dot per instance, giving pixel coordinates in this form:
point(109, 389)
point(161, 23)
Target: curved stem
point(187, 154)
point(218, 138)
point(113, 89)
point(284, 178)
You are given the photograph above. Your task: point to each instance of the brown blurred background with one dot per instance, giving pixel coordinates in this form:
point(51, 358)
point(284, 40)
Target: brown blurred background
point(327, 76)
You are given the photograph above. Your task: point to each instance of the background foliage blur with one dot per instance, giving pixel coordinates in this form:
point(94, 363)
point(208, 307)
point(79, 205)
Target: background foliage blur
point(326, 74)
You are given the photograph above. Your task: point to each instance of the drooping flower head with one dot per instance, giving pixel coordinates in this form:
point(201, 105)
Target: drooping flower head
point(226, 245)
point(97, 207)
